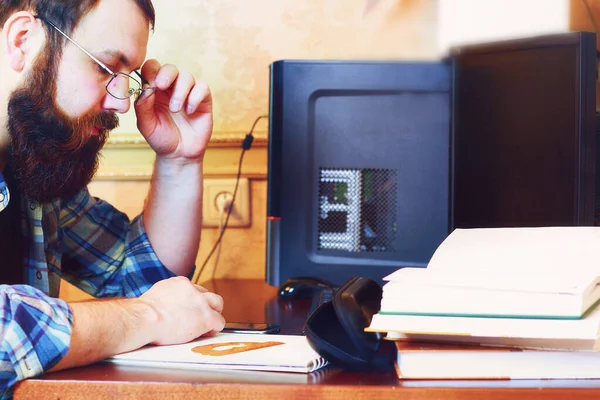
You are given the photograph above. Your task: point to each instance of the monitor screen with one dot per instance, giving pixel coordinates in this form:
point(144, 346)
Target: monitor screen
point(524, 126)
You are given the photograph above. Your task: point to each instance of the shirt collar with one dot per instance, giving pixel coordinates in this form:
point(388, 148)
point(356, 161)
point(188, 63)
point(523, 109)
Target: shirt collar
point(4, 194)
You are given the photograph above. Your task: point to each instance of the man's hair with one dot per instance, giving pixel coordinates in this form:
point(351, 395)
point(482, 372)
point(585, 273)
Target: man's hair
point(65, 14)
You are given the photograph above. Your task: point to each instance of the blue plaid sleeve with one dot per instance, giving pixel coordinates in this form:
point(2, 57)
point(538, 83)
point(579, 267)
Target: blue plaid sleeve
point(36, 333)
point(106, 255)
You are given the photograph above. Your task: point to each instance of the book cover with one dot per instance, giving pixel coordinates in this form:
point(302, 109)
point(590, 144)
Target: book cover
point(256, 352)
point(428, 360)
point(586, 328)
point(563, 344)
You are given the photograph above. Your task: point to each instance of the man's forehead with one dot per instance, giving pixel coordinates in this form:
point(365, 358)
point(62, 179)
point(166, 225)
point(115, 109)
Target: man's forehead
point(117, 29)
point(117, 56)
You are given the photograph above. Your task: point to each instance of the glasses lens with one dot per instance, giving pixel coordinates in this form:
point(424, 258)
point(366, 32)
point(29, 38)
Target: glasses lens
point(123, 86)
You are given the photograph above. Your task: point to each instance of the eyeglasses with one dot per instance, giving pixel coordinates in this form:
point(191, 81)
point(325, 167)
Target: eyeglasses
point(121, 85)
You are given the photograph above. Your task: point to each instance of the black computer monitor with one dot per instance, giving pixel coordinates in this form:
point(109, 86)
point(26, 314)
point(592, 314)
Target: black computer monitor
point(359, 167)
point(524, 126)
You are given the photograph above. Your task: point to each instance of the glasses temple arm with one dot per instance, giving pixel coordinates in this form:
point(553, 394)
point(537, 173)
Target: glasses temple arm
point(100, 63)
point(144, 81)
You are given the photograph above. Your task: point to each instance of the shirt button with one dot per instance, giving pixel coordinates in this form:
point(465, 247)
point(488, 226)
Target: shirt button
point(38, 275)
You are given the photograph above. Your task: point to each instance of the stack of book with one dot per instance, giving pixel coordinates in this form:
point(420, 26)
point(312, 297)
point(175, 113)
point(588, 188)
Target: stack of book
point(498, 303)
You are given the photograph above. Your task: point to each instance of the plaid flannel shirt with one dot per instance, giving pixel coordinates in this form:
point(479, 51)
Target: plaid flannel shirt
point(87, 242)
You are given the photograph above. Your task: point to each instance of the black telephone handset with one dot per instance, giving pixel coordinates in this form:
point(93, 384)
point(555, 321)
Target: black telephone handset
point(336, 329)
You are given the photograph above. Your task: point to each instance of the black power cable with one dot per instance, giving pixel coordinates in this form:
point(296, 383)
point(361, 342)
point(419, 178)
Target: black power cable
point(246, 144)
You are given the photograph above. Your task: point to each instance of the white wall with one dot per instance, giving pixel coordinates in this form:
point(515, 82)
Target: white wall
point(471, 21)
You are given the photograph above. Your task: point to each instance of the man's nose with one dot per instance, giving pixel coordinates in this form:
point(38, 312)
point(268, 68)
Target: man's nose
point(111, 103)
point(117, 99)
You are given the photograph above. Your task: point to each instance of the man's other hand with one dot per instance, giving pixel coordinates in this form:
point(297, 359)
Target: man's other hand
point(184, 311)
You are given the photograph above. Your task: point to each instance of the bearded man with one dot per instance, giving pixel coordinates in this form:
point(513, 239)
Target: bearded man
point(67, 68)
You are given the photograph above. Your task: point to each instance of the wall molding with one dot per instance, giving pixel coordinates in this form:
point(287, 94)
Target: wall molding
point(128, 157)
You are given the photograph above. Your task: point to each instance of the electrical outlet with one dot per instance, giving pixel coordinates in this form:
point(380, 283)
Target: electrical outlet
point(218, 193)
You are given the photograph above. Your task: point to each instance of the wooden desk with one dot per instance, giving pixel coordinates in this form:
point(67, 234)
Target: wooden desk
point(106, 381)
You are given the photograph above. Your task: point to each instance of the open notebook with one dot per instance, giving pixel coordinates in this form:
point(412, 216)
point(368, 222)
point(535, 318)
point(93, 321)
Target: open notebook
point(257, 352)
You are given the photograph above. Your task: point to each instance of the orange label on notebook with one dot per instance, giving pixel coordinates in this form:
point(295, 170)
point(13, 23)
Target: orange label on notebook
point(227, 348)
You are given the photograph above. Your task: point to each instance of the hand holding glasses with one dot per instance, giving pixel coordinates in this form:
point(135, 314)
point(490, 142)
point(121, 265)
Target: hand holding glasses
point(178, 136)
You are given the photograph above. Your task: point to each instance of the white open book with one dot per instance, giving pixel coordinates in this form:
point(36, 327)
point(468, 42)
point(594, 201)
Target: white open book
point(257, 352)
point(534, 288)
point(544, 249)
point(503, 272)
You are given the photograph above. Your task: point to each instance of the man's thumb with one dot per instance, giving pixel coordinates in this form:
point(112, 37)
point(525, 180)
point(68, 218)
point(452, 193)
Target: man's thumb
point(144, 110)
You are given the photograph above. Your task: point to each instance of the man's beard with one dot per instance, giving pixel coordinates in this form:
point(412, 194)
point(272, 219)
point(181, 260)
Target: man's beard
point(52, 155)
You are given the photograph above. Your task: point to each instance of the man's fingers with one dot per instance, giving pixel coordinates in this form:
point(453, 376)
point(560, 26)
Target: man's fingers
point(185, 93)
point(200, 95)
point(181, 89)
point(214, 301)
point(144, 105)
point(220, 325)
point(150, 70)
point(201, 289)
point(166, 75)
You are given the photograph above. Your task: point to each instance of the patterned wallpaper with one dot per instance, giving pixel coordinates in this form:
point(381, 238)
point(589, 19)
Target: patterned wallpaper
point(230, 43)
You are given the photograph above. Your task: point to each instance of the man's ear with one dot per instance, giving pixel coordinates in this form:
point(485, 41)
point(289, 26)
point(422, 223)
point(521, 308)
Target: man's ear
point(24, 36)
